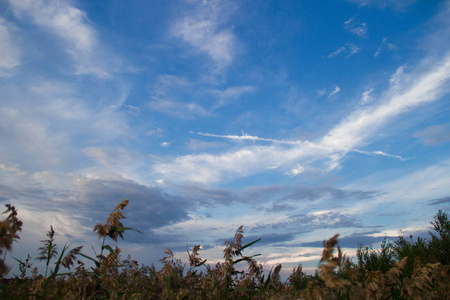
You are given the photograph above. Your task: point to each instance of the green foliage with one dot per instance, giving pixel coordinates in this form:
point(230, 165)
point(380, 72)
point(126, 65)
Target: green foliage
point(407, 269)
point(412, 251)
point(298, 280)
point(440, 239)
point(371, 259)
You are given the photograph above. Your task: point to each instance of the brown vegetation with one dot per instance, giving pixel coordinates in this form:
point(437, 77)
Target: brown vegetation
point(407, 270)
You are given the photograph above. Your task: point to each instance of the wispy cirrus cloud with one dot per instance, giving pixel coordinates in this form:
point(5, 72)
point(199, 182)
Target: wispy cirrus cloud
point(72, 26)
point(356, 28)
point(156, 131)
point(352, 132)
point(177, 109)
point(349, 49)
point(400, 193)
point(10, 52)
point(250, 138)
point(209, 168)
point(385, 45)
point(395, 4)
point(336, 90)
point(382, 153)
point(355, 129)
point(366, 96)
point(203, 100)
point(42, 136)
point(230, 94)
point(204, 29)
point(300, 168)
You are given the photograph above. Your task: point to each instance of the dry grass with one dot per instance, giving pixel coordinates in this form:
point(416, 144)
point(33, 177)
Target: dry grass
point(115, 278)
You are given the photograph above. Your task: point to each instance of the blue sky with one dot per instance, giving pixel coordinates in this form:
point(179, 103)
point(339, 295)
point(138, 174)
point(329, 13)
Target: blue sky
point(296, 119)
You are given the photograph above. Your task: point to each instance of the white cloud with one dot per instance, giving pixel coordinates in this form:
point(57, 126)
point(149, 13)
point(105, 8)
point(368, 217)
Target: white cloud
point(72, 26)
point(230, 94)
point(13, 169)
point(44, 121)
point(167, 83)
point(133, 110)
point(395, 4)
point(337, 52)
point(157, 131)
point(321, 92)
point(26, 136)
point(204, 30)
point(352, 132)
point(377, 152)
point(208, 168)
point(365, 97)
point(114, 162)
point(336, 90)
point(352, 49)
point(169, 87)
point(398, 77)
point(358, 29)
point(9, 50)
point(420, 186)
point(180, 110)
point(245, 136)
point(165, 144)
point(384, 44)
point(298, 170)
point(349, 48)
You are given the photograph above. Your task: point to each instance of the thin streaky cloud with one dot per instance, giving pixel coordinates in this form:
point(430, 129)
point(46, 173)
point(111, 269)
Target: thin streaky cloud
point(377, 152)
point(250, 138)
point(383, 42)
point(209, 168)
point(394, 4)
point(276, 153)
point(337, 52)
point(349, 49)
point(352, 132)
point(428, 182)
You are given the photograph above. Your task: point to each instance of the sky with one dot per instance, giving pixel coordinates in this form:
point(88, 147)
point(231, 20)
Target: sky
point(296, 119)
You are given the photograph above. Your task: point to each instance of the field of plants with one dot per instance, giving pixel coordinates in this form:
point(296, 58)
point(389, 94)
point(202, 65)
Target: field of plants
point(405, 269)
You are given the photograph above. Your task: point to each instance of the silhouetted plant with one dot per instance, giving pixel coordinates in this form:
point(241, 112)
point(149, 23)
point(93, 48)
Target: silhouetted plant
point(8, 234)
point(440, 238)
point(378, 274)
